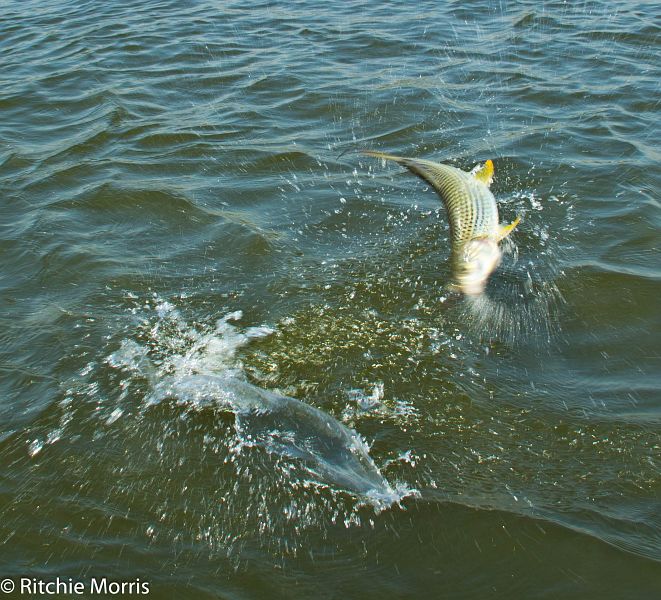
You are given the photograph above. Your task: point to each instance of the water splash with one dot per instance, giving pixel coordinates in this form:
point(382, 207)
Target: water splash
point(206, 372)
point(522, 303)
point(521, 317)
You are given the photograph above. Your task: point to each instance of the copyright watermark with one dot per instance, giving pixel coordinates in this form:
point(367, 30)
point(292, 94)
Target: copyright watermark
point(102, 586)
point(7, 586)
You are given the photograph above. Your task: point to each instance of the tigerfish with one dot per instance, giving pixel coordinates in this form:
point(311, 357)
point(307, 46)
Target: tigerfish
point(473, 214)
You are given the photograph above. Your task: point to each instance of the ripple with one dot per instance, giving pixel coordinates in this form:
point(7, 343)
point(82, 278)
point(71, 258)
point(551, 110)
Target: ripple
point(176, 153)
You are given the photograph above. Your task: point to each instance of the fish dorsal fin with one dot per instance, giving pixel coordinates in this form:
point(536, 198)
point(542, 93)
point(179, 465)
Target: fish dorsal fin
point(484, 173)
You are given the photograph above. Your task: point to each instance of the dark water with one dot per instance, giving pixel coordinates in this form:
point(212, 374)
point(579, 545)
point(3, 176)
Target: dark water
point(165, 165)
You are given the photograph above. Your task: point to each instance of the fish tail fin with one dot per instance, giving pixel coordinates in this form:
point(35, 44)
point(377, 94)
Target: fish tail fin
point(505, 230)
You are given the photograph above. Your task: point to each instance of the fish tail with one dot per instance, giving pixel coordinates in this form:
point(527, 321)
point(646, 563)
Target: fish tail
point(384, 156)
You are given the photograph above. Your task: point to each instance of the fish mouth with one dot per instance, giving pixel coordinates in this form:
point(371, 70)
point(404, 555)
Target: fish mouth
point(475, 262)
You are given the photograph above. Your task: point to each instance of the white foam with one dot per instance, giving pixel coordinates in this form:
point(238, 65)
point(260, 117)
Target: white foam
point(200, 367)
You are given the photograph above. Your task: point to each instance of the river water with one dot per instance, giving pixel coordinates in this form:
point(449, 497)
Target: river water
point(231, 362)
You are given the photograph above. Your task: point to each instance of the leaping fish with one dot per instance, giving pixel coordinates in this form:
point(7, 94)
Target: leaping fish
point(473, 214)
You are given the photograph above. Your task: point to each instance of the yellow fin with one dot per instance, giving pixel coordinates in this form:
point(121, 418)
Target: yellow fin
point(484, 173)
point(505, 230)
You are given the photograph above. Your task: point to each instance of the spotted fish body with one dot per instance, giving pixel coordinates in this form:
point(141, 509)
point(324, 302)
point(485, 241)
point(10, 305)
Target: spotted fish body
point(473, 215)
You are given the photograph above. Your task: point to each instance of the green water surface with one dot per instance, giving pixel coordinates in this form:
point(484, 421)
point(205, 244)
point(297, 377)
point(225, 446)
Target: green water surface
point(165, 164)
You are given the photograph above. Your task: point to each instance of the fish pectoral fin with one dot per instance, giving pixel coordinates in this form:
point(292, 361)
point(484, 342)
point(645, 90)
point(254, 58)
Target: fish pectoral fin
point(505, 230)
point(484, 173)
